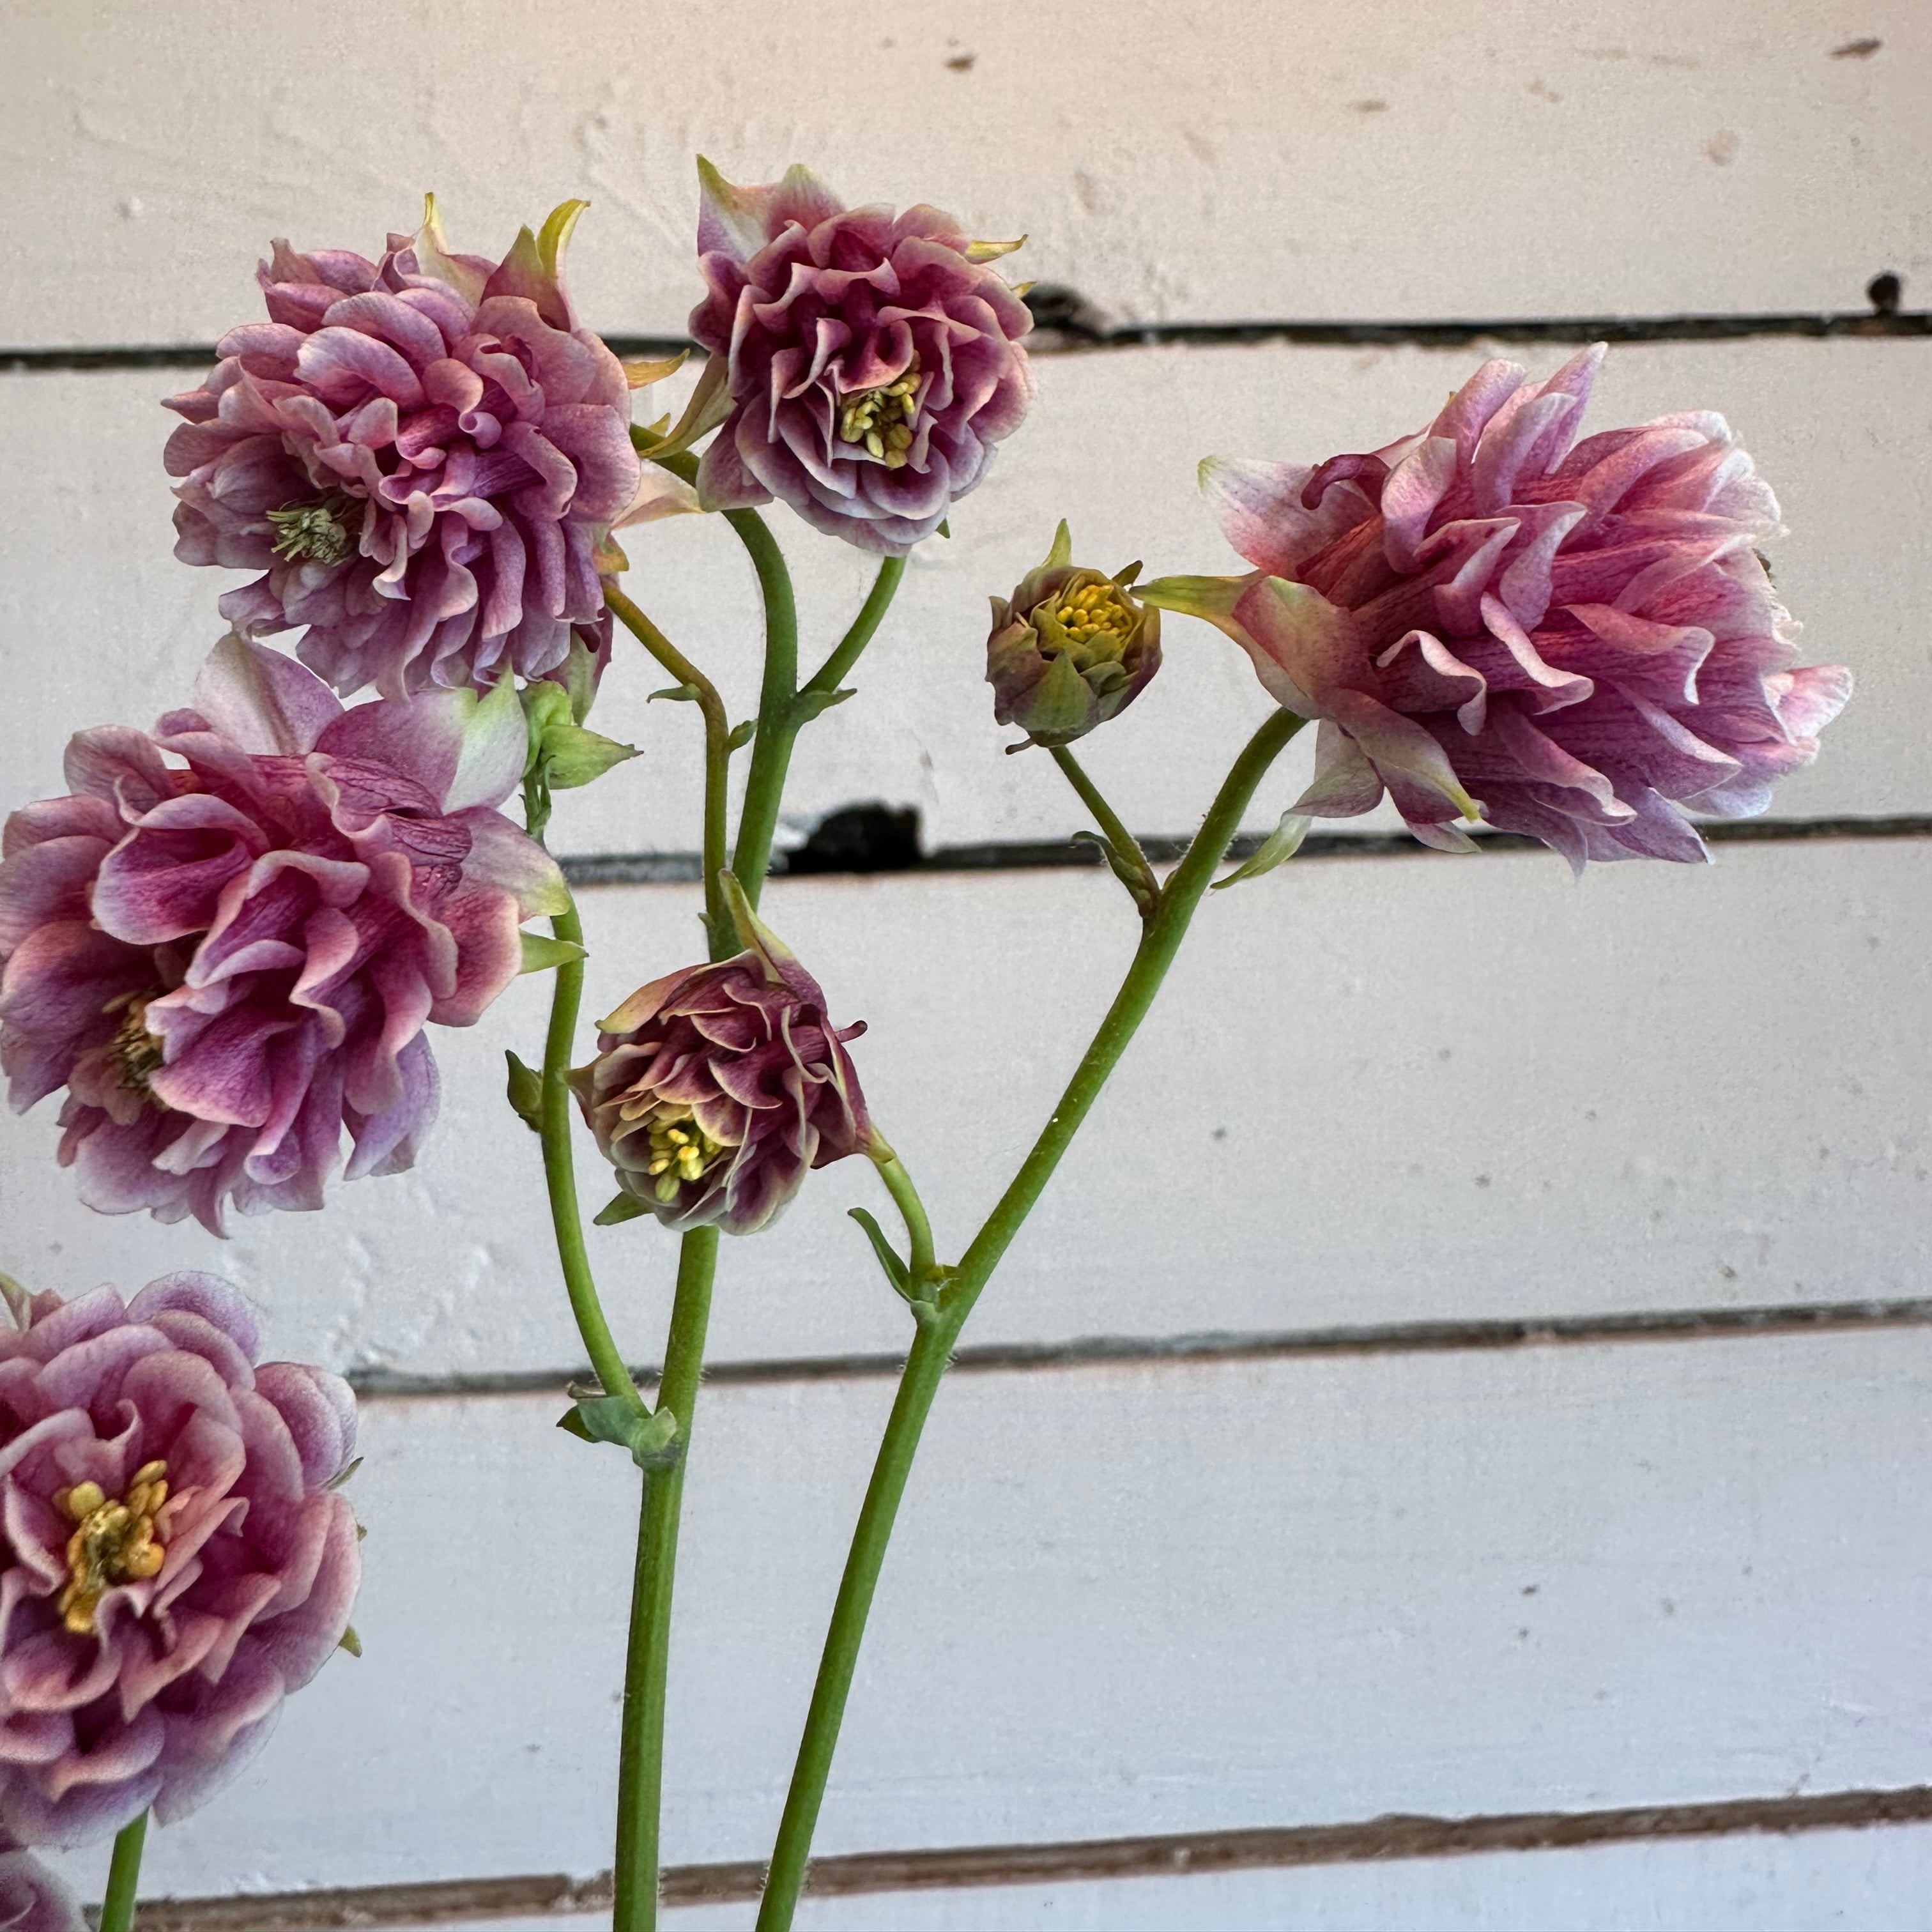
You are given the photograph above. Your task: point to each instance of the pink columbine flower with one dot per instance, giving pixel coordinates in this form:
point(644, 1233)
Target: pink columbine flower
point(870, 360)
point(32, 1899)
point(176, 1560)
point(422, 454)
point(227, 961)
point(716, 1089)
point(1577, 643)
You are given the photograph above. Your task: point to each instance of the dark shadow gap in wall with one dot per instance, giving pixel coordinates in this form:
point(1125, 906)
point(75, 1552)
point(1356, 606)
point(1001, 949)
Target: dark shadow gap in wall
point(1397, 1338)
point(458, 1901)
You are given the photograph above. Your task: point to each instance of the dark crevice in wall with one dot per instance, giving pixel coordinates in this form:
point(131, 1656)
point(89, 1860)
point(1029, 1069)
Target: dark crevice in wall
point(1393, 1338)
point(457, 1901)
point(874, 838)
point(1066, 324)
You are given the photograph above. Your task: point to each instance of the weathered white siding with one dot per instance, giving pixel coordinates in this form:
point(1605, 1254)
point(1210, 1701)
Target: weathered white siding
point(1156, 1596)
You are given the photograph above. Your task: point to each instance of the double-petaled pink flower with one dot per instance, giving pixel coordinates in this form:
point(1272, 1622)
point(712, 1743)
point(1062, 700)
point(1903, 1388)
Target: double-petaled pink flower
point(175, 1560)
point(715, 1090)
point(1576, 640)
point(422, 454)
point(227, 961)
point(32, 1898)
point(870, 360)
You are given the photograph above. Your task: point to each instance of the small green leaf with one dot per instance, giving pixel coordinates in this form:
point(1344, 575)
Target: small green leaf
point(525, 1092)
point(625, 1208)
point(895, 1270)
point(349, 1641)
point(574, 756)
point(681, 694)
point(741, 735)
point(809, 704)
point(541, 952)
point(650, 1435)
point(1281, 845)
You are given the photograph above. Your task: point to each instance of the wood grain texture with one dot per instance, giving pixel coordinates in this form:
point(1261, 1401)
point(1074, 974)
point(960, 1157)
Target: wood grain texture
point(1200, 1596)
point(1375, 1091)
point(1839, 428)
point(1469, 158)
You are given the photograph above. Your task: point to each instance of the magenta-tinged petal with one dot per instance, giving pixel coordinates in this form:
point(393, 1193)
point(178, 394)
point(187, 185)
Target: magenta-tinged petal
point(1575, 634)
point(262, 700)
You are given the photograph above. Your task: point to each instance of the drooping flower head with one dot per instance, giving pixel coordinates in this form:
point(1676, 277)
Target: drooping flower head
point(1071, 648)
point(176, 1559)
point(1576, 640)
point(716, 1089)
point(869, 361)
point(227, 961)
point(422, 455)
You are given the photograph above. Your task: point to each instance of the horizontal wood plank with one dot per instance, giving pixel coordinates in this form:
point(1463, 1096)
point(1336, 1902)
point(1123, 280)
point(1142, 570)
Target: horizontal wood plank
point(1197, 1597)
point(1374, 1091)
point(114, 629)
point(1471, 159)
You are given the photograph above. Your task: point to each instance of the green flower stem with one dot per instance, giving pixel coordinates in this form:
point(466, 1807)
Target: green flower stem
point(123, 1876)
point(717, 744)
point(778, 695)
point(640, 1751)
point(925, 1362)
point(885, 587)
point(912, 1211)
point(1126, 847)
point(560, 1171)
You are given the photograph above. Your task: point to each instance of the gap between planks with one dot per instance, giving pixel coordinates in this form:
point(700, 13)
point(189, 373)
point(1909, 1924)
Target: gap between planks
point(1115, 1351)
point(659, 869)
point(1062, 328)
point(459, 1901)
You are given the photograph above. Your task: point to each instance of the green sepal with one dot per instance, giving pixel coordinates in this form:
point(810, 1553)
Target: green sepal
point(19, 1302)
point(1280, 845)
point(563, 755)
point(343, 1475)
point(650, 1435)
point(541, 953)
point(1130, 874)
point(349, 1641)
point(895, 1269)
point(741, 735)
point(681, 694)
point(809, 704)
point(524, 1091)
point(615, 1212)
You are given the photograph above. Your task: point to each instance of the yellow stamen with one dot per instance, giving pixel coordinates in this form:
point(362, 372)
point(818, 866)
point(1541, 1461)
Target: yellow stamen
point(881, 420)
point(1092, 625)
point(113, 1542)
point(681, 1152)
point(138, 1054)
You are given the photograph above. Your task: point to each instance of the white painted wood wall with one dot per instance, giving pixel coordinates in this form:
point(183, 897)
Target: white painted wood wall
point(1190, 1595)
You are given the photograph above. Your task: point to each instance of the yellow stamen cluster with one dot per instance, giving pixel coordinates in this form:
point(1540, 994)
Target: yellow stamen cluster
point(681, 1151)
point(114, 1542)
point(137, 1052)
point(1095, 625)
point(882, 418)
point(317, 532)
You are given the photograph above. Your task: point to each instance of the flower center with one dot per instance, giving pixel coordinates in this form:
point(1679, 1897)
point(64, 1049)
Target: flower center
point(681, 1151)
point(315, 532)
point(114, 1542)
point(136, 1051)
point(882, 418)
point(1092, 625)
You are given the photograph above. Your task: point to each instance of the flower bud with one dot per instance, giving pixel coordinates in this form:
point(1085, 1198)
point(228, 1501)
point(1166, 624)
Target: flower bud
point(1071, 649)
point(716, 1088)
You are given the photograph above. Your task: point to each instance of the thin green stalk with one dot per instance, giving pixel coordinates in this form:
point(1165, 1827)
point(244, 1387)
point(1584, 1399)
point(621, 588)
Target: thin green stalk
point(123, 1876)
point(925, 1362)
point(885, 587)
point(778, 693)
point(1133, 866)
point(640, 1749)
point(560, 1171)
point(912, 1211)
point(717, 744)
